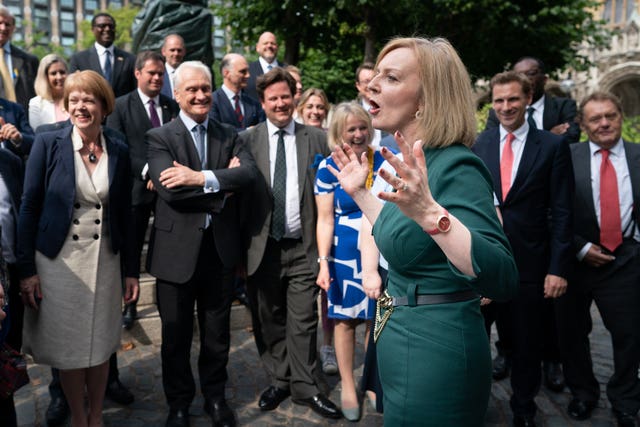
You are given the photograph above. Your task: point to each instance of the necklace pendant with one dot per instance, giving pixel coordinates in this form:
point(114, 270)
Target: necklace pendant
point(92, 158)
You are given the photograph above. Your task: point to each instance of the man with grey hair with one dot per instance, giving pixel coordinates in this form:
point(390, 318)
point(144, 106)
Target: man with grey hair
point(17, 67)
point(231, 104)
point(174, 50)
point(199, 171)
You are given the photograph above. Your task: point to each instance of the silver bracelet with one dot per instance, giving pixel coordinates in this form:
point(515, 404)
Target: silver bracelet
point(323, 258)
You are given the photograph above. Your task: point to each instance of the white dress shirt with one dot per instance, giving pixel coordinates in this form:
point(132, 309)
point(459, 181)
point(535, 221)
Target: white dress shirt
point(265, 65)
point(292, 226)
point(618, 159)
point(102, 56)
point(517, 145)
point(211, 183)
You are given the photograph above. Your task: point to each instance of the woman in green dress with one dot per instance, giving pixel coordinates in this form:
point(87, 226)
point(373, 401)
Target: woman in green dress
point(440, 234)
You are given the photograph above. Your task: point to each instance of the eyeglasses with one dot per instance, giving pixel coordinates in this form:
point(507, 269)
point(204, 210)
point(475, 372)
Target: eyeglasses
point(103, 26)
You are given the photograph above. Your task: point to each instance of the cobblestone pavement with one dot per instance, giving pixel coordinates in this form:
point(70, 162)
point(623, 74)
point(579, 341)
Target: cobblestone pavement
point(140, 370)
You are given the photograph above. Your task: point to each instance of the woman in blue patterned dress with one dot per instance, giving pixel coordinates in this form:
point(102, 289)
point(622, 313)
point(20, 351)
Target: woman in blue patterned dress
point(338, 229)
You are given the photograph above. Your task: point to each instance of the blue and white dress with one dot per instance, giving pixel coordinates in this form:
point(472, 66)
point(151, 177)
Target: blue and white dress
point(346, 297)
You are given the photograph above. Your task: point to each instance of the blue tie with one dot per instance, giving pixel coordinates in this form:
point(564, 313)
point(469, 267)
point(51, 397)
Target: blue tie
point(107, 67)
point(200, 132)
point(530, 119)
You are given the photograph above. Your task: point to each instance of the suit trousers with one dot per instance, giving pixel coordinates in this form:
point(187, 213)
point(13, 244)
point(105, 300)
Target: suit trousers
point(211, 290)
point(615, 288)
point(288, 314)
point(527, 312)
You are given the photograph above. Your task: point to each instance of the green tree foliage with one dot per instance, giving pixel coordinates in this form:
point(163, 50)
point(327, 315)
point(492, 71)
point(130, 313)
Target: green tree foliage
point(325, 37)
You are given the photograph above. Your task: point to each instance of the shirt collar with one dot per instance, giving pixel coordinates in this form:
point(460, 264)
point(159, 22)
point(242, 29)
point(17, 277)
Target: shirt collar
point(538, 104)
point(616, 150)
point(169, 69)
point(290, 129)
point(7, 48)
point(230, 94)
point(520, 133)
point(190, 123)
point(264, 64)
point(145, 99)
point(101, 49)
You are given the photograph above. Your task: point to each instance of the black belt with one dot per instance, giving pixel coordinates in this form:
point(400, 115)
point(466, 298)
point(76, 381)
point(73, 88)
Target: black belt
point(436, 298)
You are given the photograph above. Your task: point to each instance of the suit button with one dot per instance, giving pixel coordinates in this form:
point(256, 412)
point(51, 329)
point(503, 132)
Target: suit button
point(76, 205)
point(97, 221)
point(75, 237)
point(97, 206)
point(76, 222)
point(95, 237)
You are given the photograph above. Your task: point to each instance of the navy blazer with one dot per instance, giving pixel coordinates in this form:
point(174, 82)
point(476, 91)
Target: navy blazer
point(130, 117)
point(224, 112)
point(537, 212)
point(255, 70)
point(49, 196)
point(14, 113)
point(166, 85)
point(556, 110)
point(123, 79)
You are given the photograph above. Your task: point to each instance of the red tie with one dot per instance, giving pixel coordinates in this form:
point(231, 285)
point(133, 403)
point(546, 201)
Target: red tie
point(239, 115)
point(610, 227)
point(506, 165)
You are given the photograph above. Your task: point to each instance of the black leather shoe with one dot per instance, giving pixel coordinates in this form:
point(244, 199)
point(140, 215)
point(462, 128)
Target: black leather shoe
point(178, 418)
point(129, 315)
point(524, 421)
point(625, 419)
point(272, 397)
point(501, 365)
point(221, 414)
point(580, 409)
point(553, 377)
point(57, 411)
point(321, 405)
point(119, 393)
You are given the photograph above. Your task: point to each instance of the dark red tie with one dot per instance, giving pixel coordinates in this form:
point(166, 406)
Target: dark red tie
point(506, 165)
point(610, 226)
point(238, 109)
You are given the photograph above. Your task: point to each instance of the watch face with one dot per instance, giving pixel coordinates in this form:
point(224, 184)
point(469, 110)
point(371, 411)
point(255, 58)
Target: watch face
point(444, 223)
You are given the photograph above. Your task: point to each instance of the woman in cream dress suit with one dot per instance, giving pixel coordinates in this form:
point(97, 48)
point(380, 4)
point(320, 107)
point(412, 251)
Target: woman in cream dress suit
point(73, 230)
point(48, 106)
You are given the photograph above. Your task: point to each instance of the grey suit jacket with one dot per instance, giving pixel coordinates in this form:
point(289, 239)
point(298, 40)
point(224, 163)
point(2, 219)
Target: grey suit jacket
point(309, 143)
point(586, 227)
point(181, 212)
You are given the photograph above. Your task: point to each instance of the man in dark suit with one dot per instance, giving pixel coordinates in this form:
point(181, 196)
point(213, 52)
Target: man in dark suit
point(607, 263)
point(531, 171)
point(267, 48)
point(173, 50)
point(134, 114)
point(21, 66)
point(557, 115)
point(198, 168)
point(282, 257)
point(16, 134)
point(231, 105)
point(11, 177)
point(115, 65)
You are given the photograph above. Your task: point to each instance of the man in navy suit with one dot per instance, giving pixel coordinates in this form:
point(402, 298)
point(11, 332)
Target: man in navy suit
point(173, 50)
point(134, 114)
point(115, 65)
point(21, 65)
point(607, 263)
point(531, 171)
point(231, 105)
point(267, 48)
point(557, 115)
point(16, 134)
